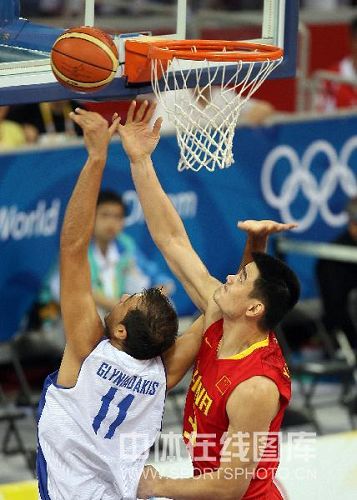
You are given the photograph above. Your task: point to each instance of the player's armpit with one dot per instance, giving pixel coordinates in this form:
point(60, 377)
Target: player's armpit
point(181, 356)
point(69, 368)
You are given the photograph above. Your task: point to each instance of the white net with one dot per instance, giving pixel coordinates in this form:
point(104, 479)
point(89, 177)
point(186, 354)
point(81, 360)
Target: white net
point(206, 115)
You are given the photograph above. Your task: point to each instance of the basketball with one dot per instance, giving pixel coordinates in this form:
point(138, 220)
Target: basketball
point(84, 59)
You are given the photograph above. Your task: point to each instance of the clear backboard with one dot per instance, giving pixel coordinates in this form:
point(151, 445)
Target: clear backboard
point(25, 42)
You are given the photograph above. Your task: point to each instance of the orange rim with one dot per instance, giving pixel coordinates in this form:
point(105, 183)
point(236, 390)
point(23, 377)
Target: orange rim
point(211, 50)
point(140, 52)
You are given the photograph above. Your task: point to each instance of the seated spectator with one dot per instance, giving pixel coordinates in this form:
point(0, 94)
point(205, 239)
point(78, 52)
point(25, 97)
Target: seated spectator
point(338, 283)
point(12, 134)
point(335, 95)
point(117, 264)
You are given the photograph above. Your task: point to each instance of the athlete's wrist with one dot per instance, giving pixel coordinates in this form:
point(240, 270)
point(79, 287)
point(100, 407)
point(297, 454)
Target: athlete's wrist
point(141, 163)
point(257, 243)
point(98, 156)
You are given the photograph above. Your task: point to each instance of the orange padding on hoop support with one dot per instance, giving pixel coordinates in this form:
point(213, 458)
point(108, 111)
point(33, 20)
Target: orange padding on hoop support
point(140, 52)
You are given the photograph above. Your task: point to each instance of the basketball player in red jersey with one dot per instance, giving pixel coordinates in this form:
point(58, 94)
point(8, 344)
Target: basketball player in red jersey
point(240, 384)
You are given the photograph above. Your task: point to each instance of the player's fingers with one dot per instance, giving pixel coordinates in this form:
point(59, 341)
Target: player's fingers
point(242, 224)
point(131, 112)
point(150, 111)
point(288, 227)
point(141, 111)
point(80, 111)
point(114, 126)
point(157, 126)
point(76, 118)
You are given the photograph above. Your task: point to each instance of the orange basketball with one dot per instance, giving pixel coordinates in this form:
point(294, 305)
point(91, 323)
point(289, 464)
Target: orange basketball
point(84, 59)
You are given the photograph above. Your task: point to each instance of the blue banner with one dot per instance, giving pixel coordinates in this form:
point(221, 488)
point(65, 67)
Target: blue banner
point(302, 171)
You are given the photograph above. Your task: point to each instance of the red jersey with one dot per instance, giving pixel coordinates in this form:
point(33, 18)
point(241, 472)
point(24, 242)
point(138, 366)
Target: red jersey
point(205, 416)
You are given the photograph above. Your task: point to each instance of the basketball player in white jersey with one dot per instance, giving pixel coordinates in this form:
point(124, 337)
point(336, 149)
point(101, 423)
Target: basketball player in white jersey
point(102, 411)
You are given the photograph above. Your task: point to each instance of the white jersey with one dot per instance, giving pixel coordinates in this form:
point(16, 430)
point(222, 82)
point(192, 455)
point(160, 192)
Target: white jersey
point(94, 438)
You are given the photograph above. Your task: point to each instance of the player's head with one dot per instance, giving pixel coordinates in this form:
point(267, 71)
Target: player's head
point(351, 210)
point(109, 221)
point(143, 325)
point(262, 292)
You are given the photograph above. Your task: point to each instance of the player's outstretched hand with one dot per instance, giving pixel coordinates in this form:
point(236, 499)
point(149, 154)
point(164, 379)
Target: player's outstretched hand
point(138, 137)
point(264, 228)
point(97, 134)
point(147, 481)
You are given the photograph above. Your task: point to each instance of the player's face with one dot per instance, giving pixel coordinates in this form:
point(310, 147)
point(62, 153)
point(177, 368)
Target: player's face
point(117, 314)
point(109, 221)
point(126, 303)
point(233, 297)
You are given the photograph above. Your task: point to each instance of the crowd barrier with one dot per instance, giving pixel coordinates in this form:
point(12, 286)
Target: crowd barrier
point(300, 171)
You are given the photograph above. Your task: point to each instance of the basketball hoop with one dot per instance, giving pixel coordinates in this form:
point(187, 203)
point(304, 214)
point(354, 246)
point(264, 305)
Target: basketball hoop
point(204, 124)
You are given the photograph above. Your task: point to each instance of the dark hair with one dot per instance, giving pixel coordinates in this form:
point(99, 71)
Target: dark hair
point(277, 287)
point(110, 197)
point(151, 327)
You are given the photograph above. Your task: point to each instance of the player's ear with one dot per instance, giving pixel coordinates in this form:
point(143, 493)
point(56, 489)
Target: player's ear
point(120, 332)
point(255, 310)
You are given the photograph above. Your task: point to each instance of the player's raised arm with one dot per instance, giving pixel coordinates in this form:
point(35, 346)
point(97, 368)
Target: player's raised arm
point(166, 228)
point(83, 327)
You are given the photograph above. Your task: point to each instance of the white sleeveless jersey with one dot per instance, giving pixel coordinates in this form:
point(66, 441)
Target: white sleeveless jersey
point(94, 438)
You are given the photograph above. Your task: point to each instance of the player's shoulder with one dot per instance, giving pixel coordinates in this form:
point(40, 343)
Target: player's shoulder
point(256, 387)
point(272, 355)
point(256, 393)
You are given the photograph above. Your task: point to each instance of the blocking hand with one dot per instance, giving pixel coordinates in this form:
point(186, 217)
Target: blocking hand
point(97, 134)
point(264, 228)
point(139, 139)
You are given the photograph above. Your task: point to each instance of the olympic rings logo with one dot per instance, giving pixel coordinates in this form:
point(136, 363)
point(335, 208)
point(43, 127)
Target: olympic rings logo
point(301, 180)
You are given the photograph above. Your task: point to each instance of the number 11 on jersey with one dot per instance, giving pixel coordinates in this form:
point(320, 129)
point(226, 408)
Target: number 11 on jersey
point(123, 406)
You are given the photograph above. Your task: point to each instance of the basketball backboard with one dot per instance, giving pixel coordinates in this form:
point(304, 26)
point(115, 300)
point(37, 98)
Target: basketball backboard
point(25, 44)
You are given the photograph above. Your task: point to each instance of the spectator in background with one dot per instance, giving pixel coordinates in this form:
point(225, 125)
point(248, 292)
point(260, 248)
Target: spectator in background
point(335, 95)
point(338, 283)
point(12, 134)
point(117, 264)
point(45, 120)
